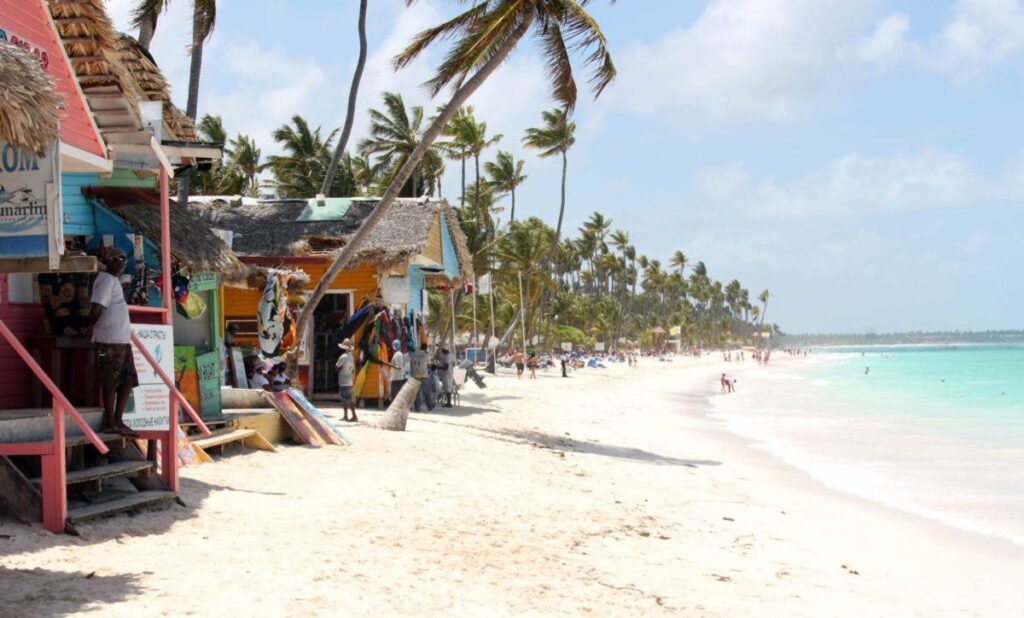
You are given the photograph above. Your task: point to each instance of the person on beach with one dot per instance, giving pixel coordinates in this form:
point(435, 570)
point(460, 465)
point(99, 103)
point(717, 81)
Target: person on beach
point(397, 368)
point(532, 363)
point(112, 336)
point(258, 379)
point(563, 358)
point(346, 371)
point(419, 369)
point(445, 365)
point(519, 360)
point(279, 380)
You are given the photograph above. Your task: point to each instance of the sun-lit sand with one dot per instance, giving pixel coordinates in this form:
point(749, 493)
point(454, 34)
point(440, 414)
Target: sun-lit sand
point(609, 493)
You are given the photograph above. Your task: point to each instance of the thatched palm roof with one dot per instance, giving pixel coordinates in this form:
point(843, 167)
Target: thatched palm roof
point(270, 228)
point(107, 64)
point(28, 102)
point(193, 244)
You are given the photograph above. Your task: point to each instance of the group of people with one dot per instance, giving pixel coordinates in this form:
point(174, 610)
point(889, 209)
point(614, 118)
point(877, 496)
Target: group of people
point(397, 370)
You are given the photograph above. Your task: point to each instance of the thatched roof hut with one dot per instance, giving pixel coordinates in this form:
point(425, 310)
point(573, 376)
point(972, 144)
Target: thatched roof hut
point(108, 64)
point(28, 102)
point(193, 244)
point(275, 228)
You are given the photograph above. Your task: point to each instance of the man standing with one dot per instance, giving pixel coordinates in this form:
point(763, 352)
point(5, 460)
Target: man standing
point(419, 369)
point(346, 371)
point(397, 368)
point(112, 335)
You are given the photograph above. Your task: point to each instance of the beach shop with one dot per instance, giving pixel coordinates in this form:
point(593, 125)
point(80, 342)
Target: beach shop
point(74, 116)
point(416, 246)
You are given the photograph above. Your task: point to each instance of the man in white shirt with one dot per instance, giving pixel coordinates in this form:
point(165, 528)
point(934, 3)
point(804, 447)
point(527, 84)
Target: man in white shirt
point(346, 372)
point(112, 336)
point(397, 368)
point(258, 380)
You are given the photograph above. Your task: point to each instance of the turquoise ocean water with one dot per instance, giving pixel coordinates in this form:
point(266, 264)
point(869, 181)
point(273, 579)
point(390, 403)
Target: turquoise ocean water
point(934, 430)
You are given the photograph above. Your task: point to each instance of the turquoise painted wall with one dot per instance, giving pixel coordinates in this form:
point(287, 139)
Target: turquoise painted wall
point(451, 258)
point(109, 223)
point(78, 212)
point(416, 281)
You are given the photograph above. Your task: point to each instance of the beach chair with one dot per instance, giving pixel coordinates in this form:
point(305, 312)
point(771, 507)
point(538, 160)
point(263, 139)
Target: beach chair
point(459, 379)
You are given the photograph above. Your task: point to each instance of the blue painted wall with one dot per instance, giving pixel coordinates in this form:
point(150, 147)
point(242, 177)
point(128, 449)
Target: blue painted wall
point(451, 258)
point(79, 219)
point(109, 223)
point(416, 281)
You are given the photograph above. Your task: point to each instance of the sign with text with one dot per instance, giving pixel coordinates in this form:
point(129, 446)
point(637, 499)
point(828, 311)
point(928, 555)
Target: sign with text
point(484, 284)
point(31, 223)
point(202, 282)
point(208, 368)
point(150, 409)
point(395, 291)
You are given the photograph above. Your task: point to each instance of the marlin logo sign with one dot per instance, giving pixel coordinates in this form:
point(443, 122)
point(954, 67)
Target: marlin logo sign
point(30, 223)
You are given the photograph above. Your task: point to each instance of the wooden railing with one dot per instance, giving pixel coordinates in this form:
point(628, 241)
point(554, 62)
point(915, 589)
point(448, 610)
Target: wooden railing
point(52, 454)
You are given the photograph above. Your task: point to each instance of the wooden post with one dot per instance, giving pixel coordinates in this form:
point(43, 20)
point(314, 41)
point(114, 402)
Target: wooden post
point(55, 498)
point(168, 450)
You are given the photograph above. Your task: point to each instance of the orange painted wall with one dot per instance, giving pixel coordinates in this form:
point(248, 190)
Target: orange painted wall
point(241, 304)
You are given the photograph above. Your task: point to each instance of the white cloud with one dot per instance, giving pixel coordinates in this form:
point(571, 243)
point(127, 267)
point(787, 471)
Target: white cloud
point(857, 184)
point(978, 35)
point(888, 44)
point(981, 33)
point(745, 59)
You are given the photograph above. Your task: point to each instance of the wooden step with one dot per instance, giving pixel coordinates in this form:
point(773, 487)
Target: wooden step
point(248, 437)
point(107, 438)
point(118, 468)
point(131, 502)
point(223, 437)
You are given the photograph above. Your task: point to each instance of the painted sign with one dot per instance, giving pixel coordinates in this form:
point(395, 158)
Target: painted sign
point(238, 368)
point(484, 284)
point(599, 346)
point(208, 369)
point(203, 282)
point(395, 291)
point(186, 378)
point(149, 409)
point(567, 346)
point(30, 207)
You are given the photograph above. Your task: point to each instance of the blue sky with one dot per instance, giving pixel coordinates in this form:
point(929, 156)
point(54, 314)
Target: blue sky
point(862, 159)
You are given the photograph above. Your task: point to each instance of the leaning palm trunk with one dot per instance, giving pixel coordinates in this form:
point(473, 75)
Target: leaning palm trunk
point(460, 96)
point(350, 115)
point(192, 107)
point(398, 412)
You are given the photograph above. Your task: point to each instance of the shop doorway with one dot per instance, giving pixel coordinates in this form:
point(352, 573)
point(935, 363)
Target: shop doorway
point(329, 317)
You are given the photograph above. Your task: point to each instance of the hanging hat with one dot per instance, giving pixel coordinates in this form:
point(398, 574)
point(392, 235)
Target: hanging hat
point(346, 344)
point(396, 345)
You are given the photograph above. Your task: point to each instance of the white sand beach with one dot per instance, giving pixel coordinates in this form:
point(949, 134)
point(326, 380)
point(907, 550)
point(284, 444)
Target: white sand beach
point(609, 493)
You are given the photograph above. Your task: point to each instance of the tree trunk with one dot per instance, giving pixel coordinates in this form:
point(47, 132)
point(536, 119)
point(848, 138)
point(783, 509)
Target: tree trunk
point(460, 96)
point(513, 214)
point(192, 107)
point(350, 115)
point(476, 165)
point(462, 199)
point(146, 31)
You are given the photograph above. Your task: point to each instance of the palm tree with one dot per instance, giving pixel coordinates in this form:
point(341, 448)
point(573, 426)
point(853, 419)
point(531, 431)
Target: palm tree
point(244, 165)
point(484, 36)
point(365, 173)
point(204, 16)
point(679, 261)
point(394, 135)
point(300, 172)
point(350, 113)
point(763, 297)
point(469, 139)
point(556, 137)
point(506, 174)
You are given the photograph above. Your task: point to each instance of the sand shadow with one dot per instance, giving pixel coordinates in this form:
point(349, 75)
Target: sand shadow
point(28, 593)
point(141, 523)
point(569, 444)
